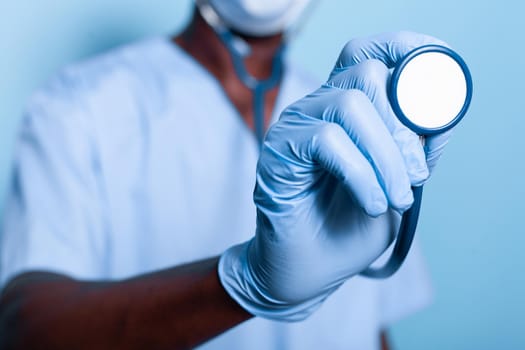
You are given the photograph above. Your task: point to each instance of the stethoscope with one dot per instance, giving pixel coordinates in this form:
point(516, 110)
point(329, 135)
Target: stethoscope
point(430, 91)
point(258, 87)
point(238, 50)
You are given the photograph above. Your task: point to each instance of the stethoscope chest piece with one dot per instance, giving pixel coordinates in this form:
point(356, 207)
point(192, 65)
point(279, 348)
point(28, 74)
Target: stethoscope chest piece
point(430, 90)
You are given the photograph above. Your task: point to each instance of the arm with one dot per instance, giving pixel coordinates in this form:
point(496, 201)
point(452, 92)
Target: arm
point(385, 344)
point(177, 308)
point(319, 220)
point(55, 220)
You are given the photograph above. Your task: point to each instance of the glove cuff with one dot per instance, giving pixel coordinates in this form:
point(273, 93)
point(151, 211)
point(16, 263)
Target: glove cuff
point(236, 277)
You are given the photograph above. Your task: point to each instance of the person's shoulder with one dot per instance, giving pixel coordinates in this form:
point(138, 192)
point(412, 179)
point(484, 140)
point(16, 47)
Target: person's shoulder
point(134, 61)
point(108, 83)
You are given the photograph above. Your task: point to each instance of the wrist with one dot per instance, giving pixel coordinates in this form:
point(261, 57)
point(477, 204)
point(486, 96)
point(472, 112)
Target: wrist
point(243, 285)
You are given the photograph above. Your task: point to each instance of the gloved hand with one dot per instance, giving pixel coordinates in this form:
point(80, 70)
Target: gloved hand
point(334, 175)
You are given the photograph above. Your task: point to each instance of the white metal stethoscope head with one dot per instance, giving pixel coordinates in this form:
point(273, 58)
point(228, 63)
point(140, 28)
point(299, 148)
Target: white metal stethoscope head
point(430, 91)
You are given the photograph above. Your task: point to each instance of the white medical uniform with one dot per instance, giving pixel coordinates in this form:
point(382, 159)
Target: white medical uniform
point(136, 161)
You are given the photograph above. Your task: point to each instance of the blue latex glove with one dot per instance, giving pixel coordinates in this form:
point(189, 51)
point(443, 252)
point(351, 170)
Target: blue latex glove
point(334, 175)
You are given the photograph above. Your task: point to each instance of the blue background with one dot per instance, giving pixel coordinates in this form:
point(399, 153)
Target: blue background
point(471, 226)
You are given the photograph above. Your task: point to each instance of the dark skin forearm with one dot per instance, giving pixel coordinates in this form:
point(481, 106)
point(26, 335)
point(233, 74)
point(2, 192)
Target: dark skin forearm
point(385, 344)
point(178, 308)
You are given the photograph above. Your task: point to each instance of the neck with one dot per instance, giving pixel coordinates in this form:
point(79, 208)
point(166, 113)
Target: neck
point(199, 40)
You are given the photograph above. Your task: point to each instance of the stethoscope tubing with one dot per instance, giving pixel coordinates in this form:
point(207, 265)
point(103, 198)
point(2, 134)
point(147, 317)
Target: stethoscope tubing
point(405, 237)
point(258, 87)
point(410, 217)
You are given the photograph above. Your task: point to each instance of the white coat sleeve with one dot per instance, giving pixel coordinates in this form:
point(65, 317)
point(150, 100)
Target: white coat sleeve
point(54, 214)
